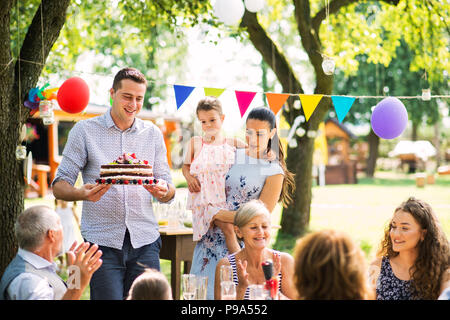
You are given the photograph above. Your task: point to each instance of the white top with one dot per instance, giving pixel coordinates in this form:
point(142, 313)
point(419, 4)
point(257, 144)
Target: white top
point(28, 286)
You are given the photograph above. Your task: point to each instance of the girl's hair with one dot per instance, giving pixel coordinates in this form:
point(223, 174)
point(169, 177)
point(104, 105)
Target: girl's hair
point(150, 285)
point(330, 266)
point(433, 252)
point(265, 114)
point(209, 103)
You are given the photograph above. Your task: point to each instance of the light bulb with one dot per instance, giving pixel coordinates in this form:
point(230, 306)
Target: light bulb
point(297, 104)
point(49, 120)
point(45, 108)
point(300, 132)
point(311, 134)
point(292, 143)
point(328, 66)
point(426, 94)
point(21, 152)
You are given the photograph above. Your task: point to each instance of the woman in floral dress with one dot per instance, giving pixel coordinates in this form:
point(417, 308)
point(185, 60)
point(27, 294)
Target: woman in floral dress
point(250, 177)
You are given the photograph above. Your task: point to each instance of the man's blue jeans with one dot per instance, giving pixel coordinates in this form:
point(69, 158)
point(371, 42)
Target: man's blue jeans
point(113, 279)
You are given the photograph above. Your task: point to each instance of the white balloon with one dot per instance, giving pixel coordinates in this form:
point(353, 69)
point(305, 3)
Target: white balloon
point(254, 5)
point(229, 12)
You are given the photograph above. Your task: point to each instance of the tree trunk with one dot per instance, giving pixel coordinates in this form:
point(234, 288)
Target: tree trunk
point(295, 218)
point(374, 142)
point(437, 142)
point(17, 77)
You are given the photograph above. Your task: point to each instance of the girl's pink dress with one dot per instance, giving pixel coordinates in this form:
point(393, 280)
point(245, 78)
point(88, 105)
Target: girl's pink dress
point(210, 167)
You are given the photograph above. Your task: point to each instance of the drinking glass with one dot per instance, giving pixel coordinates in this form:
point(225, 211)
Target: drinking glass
point(228, 290)
point(226, 273)
point(201, 287)
point(189, 284)
point(257, 292)
point(163, 214)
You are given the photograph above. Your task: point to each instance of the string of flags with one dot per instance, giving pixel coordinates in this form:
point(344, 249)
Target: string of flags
point(309, 102)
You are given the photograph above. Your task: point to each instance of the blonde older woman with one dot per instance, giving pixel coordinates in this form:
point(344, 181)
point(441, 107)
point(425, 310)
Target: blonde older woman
point(252, 226)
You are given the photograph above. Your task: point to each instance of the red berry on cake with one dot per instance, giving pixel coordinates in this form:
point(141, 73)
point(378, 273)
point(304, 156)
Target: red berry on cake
point(126, 182)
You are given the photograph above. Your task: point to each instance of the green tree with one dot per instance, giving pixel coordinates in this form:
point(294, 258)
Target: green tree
point(343, 34)
point(30, 29)
point(396, 79)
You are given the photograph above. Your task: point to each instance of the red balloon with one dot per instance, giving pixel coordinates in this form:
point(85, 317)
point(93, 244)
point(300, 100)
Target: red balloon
point(73, 95)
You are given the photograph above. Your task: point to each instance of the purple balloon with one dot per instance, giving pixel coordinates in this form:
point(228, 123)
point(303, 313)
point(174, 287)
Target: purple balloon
point(389, 118)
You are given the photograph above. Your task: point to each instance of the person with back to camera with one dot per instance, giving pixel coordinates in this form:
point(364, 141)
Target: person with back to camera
point(252, 225)
point(150, 285)
point(251, 176)
point(31, 275)
point(207, 160)
point(414, 258)
point(329, 265)
point(119, 218)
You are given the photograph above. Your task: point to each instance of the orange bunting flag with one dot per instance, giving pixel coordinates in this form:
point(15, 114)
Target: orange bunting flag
point(309, 103)
point(215, 92)
point(276, 101)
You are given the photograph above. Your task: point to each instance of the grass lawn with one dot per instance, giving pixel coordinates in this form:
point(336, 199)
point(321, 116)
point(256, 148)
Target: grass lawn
point(362, 210)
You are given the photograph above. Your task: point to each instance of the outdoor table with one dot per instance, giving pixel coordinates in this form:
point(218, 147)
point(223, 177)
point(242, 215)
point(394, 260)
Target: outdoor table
point(177, 246)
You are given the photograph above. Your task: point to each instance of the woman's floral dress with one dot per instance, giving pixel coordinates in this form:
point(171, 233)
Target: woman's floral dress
point(243, 182)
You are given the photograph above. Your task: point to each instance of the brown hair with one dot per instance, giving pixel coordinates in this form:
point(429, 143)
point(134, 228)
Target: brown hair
point(265, 114)
point(433, 252)
point(150, 285)
point(209, 103)
point(330, 266)
point(128, 73)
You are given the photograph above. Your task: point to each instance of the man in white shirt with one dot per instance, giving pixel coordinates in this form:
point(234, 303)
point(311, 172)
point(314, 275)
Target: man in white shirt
point(31, 275)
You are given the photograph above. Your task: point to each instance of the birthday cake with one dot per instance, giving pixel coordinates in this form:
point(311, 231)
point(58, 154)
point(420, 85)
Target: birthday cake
point(127, 169)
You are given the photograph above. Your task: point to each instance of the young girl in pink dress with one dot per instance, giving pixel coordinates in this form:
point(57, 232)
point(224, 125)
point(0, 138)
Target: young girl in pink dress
point(207, 161)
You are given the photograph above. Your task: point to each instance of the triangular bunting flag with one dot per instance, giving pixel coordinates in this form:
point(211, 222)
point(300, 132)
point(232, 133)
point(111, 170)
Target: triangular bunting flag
point(309, 103)
point(215, 92)
point(181, 94)
point(342, 105)
point(244, 98)
point(276, 101)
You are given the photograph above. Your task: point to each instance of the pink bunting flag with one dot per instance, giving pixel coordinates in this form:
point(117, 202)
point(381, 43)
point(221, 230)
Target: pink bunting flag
point(244, 98)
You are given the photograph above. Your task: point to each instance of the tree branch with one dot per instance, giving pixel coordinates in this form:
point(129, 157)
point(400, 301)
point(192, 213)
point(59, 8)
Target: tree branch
point(335, 6)
point(310, 39)
point(271, 54)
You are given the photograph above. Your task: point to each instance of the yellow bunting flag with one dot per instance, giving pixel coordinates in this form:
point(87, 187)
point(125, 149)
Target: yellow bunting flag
point(276, 101)
point(309, 103)
point(215, 92)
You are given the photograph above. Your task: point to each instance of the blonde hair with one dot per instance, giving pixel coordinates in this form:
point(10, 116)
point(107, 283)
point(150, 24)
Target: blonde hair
point(248, 211)
point(150, 285)
point(330, 266)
